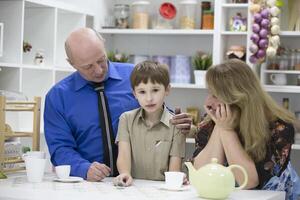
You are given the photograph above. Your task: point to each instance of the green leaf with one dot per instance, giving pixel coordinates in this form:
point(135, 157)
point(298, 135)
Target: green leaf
point(201, 61)
point(25, 149)
point(2, 175)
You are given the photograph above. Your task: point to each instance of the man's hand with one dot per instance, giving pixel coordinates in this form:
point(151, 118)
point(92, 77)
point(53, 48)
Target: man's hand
point(182, 121)
point(97, 172)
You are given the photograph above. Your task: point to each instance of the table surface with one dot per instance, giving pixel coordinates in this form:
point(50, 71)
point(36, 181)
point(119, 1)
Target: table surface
point(16, 187)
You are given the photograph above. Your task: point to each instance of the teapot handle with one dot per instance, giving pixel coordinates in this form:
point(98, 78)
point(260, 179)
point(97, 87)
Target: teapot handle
point(245, 176)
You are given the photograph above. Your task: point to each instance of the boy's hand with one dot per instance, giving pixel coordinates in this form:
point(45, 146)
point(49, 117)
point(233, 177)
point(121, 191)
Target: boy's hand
point(182, 121)
point(185, 180)
point(123, 180)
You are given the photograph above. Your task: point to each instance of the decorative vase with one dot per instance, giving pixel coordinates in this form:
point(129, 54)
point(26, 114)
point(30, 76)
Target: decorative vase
point(200, 77)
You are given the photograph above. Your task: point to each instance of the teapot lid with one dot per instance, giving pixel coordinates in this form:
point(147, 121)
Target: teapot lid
point(214, 166)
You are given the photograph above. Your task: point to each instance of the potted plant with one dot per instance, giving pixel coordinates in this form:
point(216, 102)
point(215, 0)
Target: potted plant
point(117, 57)
point(201, 62)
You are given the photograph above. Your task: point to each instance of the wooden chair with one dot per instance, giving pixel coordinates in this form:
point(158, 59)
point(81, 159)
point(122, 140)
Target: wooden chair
point(6, 131)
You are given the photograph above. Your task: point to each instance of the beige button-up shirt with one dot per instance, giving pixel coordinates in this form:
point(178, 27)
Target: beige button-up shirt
point(151, 147)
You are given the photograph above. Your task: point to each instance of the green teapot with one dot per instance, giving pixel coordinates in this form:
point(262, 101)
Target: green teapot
point(214, 181)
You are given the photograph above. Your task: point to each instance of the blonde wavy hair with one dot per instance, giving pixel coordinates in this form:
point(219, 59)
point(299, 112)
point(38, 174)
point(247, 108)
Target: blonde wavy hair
point(233, 82)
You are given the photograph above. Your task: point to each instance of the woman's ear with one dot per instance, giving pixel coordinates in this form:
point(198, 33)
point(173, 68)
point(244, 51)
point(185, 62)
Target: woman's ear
point(168, 90)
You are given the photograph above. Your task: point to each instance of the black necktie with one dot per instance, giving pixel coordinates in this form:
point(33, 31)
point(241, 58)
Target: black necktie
point(109, 146)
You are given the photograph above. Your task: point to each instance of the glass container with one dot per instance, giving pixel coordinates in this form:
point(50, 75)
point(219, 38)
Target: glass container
point(140, 14)
point(283, 61)
point(164, 17)
point(297, 63)
point(292, 59)
point(121, 13)
point(187, 13)
point(207, 21)
point(285, 103)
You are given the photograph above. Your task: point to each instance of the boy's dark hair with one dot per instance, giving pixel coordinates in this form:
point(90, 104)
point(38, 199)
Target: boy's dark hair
point(150, 70)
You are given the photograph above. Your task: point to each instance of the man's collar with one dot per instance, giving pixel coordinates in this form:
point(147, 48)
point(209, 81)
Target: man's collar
point(112, 73)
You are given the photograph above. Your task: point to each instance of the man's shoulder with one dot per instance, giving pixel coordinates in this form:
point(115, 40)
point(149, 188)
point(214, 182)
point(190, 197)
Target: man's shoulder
point(123, 67)
point(64, 84)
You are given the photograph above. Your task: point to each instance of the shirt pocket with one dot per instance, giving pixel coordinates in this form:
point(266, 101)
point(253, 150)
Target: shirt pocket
point(162, 151)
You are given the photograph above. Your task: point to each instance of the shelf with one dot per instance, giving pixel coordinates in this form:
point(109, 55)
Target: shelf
point(290, 33)
point(190, 140)
point(281, 71)
point(235, 5)
point(17, 65)
point(13, 65)
point(283, 88)
point(296, 146)
point(186, 86)
point(157, 31)
point(60, 69)
point(241, 33)
point(36, 67)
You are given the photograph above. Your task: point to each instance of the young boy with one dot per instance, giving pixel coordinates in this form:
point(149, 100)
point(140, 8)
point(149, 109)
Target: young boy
point(148, 144)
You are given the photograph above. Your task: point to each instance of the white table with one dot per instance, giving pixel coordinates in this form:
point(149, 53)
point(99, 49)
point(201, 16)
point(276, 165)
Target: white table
point(16, 187)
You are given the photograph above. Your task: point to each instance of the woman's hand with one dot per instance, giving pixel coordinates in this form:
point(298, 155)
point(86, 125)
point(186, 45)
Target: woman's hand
point(222, 116)
point(123, 180)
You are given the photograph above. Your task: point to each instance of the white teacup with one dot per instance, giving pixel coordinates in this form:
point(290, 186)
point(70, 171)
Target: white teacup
point(63, 171)
point(174, 180)
point(278, 79)
point(35, 168)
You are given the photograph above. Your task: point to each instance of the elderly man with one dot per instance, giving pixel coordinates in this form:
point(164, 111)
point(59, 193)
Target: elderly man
point(82, 111)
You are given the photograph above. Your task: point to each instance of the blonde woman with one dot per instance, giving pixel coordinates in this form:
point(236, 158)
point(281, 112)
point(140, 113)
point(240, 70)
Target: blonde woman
point(245, 126)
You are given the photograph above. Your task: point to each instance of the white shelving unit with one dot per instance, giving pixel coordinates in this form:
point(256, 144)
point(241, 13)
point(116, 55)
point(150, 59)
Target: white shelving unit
point(45, 25)
point(1, 38)
point(175, 41)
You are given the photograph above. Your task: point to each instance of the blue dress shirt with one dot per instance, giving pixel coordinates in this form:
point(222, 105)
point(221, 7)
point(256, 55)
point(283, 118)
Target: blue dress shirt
point(71, 117)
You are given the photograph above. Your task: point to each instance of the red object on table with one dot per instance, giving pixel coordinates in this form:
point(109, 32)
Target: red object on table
point(167, 10)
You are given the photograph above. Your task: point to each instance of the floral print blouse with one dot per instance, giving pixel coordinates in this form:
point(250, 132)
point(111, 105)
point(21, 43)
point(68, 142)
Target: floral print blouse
point(278, 148)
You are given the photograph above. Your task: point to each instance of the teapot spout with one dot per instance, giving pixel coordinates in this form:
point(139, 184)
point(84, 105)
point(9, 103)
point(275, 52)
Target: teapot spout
point(190, 167)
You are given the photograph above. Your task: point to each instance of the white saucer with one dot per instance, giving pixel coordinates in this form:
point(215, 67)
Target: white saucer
point(165, 187)
point(70, 179)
